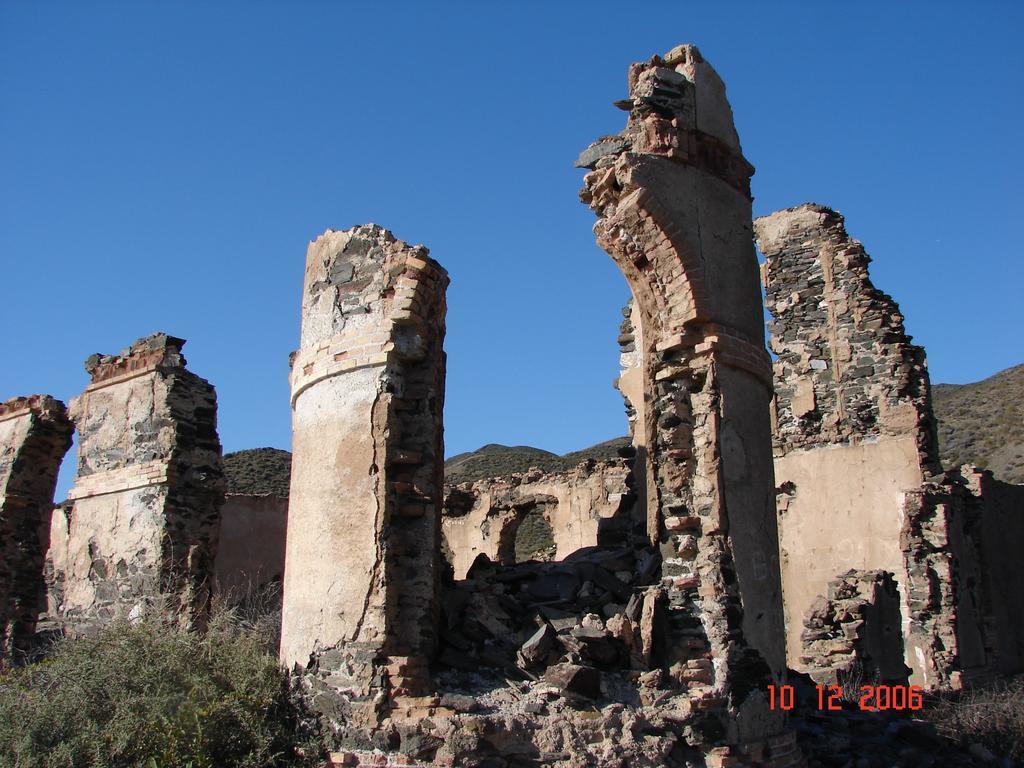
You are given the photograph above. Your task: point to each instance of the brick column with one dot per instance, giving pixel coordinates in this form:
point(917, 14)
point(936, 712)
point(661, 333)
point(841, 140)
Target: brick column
point(672, 196)
point(35, 433)
point(362, 562)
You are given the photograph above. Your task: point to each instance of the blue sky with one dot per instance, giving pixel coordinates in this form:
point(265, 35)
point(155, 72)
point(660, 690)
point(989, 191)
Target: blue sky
point(163, 166)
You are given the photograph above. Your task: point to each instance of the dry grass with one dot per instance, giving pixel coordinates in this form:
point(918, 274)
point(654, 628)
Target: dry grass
point(992, 717)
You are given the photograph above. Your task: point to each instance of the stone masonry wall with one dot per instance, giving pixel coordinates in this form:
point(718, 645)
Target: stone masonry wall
point(853, 633)
point(35, 433)
point(672, 196)
point(362, 564)
point(584, 506)
point(961, 544)
point(856, 454)
point(846, 370)
point(146, 499)
point(1002, 531)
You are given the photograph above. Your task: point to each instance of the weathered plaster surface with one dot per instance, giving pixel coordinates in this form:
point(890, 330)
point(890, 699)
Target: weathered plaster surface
point(250, 551)
point(146, 499)
point(842, 512)
point(362, 562)
point(334, 590)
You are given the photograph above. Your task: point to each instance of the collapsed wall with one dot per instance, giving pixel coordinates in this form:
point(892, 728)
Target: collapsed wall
point(853, 634)
point(672, 197)
point(362, 563)
point(659, 649)
point(35, 433)
point(856, 458)
point(145, 505)
point(582, 507)
point(853, 424)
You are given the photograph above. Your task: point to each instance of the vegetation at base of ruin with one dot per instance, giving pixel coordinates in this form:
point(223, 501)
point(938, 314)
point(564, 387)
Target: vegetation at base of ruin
point(496, 460)
point(992, 717)
point(258, 471)
point(983, 423)
point(153, 695)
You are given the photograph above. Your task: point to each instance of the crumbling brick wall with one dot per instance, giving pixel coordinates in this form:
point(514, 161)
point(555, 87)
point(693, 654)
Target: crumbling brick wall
point(853, 426)
point(585, 506)
point(856, 458)
point(677, 631)
point(852, 635)
point(146, 498)
point(362, 566)
point(1002, 531)
point(961, 546)
point(35, 433)
point(672, 197)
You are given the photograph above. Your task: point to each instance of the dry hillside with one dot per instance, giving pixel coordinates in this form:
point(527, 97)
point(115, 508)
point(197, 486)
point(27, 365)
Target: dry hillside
point(502, 460)
point(980, 423)
point(983, 423)
point(258, 471)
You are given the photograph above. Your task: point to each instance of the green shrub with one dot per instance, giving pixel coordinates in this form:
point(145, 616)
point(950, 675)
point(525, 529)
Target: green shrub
point(153, 695)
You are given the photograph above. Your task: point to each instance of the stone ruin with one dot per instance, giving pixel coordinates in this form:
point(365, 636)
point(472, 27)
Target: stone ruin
point(367, 468)
point(586, 506)
point(856, 460)
point(35, 433)
point(141, 528)
point(691, 631)
point(853, 634)
point(766, 515)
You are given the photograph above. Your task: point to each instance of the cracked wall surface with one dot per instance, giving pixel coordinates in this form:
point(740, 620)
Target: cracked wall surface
point(362, 563)
point(672, 197)
point(145, 506)
point(35, 433)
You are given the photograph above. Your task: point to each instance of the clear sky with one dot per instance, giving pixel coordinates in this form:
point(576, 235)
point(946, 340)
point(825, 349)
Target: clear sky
point(163, 166)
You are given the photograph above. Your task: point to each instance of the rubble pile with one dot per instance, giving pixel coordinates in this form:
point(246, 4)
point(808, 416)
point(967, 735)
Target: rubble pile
point(855, 631)
point(593, 611)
